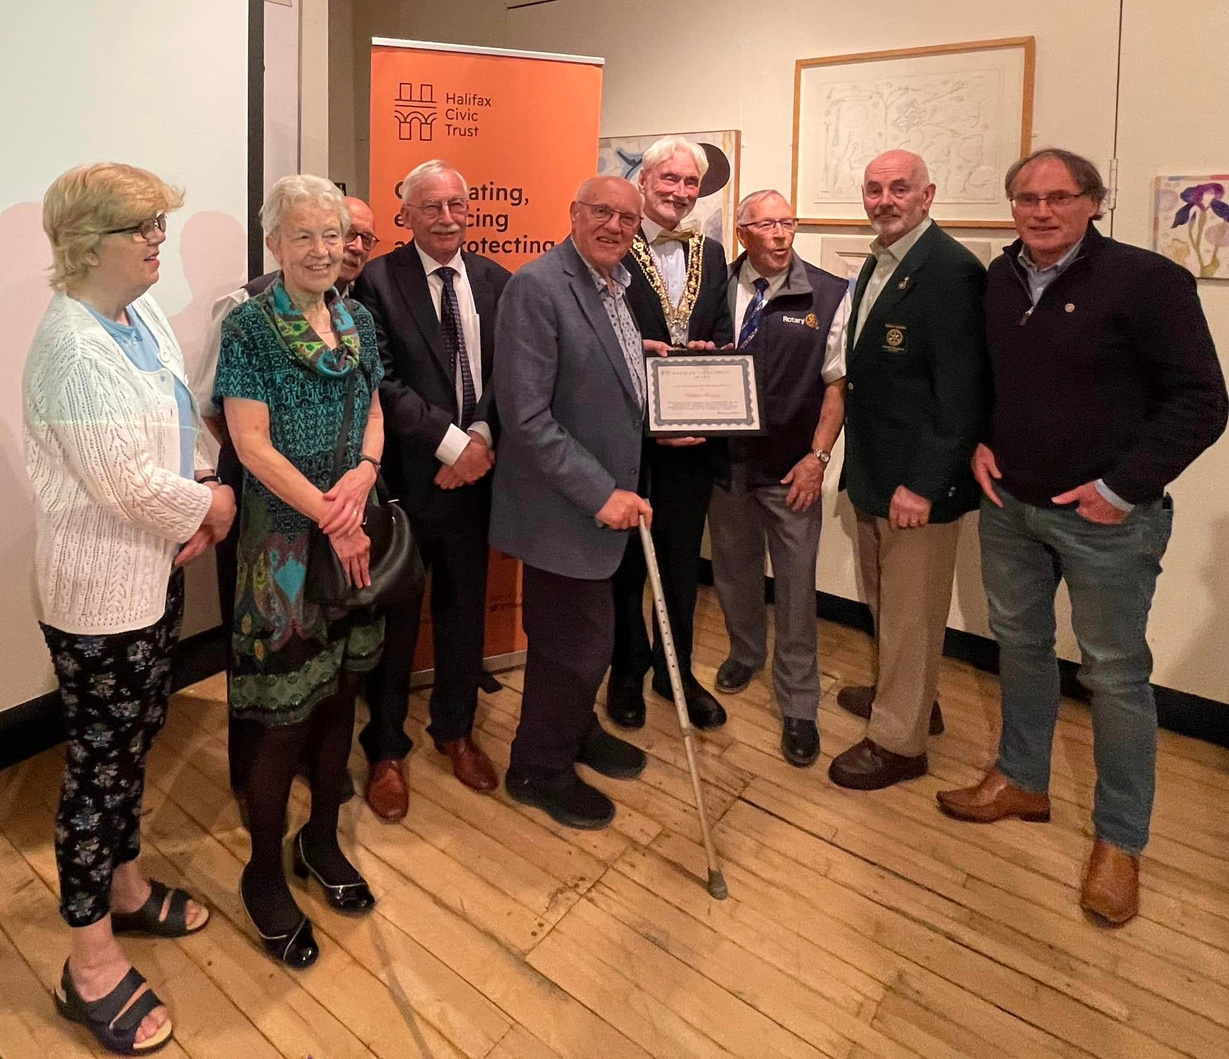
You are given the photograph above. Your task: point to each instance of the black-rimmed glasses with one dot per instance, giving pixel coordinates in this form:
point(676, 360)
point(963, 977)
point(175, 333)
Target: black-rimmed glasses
point(144, 230)
point(369, 238)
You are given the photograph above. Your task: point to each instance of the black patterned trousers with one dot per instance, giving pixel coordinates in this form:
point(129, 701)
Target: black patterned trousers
point(114, 691)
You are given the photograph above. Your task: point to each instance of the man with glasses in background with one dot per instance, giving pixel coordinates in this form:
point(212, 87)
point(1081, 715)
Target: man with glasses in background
point(915, 404)
point(1106, 387)
point(678, 296)
point(792, 317)
point(360, 240)
point(434, 310)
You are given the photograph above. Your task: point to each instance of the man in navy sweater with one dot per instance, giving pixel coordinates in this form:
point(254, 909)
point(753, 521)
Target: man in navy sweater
point(1107, 386)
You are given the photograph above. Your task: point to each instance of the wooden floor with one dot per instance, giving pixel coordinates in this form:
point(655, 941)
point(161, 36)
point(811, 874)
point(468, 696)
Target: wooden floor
point(858, 925)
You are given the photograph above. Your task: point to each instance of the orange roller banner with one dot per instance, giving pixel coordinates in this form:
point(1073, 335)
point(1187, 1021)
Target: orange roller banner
point(521, 127)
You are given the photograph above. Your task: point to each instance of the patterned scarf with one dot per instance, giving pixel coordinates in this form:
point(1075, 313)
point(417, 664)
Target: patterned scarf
point(300, 337)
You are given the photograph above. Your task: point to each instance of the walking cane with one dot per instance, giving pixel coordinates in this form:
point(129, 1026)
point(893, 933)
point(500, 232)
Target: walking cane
point(716, 881)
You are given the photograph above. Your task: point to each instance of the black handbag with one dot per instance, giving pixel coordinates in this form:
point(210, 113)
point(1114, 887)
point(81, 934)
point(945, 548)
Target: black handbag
point(394, 559)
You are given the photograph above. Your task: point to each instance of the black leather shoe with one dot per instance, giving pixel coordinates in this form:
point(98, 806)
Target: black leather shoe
point(625, 700)
point(800, 742)
point(733, 677)
point(857, 699)
point(704, 710)
point(564, 797)
point(296, 948)
point(866, 766)
point(352, 897)
point(610, 755)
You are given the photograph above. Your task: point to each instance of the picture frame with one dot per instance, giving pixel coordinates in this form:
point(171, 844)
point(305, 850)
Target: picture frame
point(966, 108)
point(715, 211)
point(1190, 223)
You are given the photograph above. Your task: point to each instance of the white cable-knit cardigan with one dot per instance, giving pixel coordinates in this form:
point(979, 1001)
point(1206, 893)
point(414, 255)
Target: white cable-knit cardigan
point(102, 452)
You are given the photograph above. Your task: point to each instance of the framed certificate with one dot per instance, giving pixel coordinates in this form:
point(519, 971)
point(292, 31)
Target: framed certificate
point(702, 396)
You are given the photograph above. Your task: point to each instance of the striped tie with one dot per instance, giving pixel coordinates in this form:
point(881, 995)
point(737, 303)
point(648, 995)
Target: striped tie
point(751, 318)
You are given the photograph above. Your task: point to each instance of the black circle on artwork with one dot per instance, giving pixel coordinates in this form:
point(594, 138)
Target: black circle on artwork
point(718, 174)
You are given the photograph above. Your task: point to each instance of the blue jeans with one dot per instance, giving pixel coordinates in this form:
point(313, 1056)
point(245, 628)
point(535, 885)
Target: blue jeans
point(1111, 574)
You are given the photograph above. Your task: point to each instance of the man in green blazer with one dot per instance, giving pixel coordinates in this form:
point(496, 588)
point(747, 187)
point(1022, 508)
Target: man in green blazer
point(916, 401)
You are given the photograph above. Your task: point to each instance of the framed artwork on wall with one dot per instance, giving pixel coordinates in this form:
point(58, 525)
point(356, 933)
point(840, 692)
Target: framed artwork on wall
point(966, 108)
point(714, 214)
point(1190, 223)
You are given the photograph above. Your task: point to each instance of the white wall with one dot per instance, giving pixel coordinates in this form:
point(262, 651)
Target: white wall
point(712, 64)
point(157, 83)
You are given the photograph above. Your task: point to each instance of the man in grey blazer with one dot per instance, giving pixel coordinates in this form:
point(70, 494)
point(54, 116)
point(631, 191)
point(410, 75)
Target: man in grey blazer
point(569, 384)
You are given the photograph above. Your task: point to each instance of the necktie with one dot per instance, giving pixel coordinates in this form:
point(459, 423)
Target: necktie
point(755, 309)
point(454, 339)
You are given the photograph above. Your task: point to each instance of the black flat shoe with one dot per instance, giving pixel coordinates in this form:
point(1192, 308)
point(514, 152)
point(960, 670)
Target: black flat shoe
point(704, 710)
point(353, 897)
point(296, 948)
point(733, 677)
point(102, 1017)
point(625, 700)
point(866, 766)
point(610, 755)
point(565, 797)
point(800, 742)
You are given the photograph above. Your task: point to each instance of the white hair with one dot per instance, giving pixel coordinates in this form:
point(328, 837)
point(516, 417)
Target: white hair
point(667, 147)
point(302, 187)
point(420, 174)
point(756, 197)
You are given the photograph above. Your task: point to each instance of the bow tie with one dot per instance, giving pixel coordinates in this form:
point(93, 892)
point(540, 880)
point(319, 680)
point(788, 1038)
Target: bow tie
point(679, 235)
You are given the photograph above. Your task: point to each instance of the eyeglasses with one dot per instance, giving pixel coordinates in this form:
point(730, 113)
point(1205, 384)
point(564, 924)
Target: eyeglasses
point(765, 227)
point(433, 208)
point(144, 230)
point(1056, 200)
point(369, 238)
point(602, 214)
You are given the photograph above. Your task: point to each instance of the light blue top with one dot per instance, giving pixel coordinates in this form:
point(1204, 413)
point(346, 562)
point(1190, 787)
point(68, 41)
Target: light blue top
point(141, 347)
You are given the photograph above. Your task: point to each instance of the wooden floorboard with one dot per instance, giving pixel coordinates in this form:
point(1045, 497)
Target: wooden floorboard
point(859, 926)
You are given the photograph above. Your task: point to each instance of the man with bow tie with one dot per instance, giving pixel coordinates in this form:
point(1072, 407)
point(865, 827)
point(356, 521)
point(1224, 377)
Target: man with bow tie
point(677, 295)
point(916, 400)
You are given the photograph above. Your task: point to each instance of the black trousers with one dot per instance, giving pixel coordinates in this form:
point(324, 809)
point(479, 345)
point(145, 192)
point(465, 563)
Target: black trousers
point(451, 533)
point(678, 483)
point(570, 625)
point(114, 691)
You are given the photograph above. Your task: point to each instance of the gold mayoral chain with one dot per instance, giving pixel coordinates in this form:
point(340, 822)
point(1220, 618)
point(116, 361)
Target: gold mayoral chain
point(677, 316)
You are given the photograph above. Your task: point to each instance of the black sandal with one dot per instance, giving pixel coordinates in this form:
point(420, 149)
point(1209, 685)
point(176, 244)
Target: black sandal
point(115, 1032)
point(148, 918)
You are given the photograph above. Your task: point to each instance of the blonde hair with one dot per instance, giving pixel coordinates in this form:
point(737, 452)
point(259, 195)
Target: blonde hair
point(82, 205)
point(302, 187)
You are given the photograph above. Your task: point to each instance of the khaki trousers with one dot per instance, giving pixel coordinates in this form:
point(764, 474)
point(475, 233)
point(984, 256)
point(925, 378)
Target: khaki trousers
point(907, 575)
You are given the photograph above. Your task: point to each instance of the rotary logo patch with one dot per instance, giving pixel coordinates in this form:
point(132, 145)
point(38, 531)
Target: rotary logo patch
point(895, 337)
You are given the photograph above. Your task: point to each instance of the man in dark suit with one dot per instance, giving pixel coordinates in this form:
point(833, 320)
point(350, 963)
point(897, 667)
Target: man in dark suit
point(677, 293)
point(916, 401)
point(434, 311)
point(569, 379)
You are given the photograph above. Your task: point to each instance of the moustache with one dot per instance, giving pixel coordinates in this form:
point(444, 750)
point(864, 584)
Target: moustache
point(446, 229)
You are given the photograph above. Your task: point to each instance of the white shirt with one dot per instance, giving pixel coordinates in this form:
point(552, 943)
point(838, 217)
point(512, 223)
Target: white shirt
point(886, 260)
point(671, 258)
point(456, 439)
point(834, 348)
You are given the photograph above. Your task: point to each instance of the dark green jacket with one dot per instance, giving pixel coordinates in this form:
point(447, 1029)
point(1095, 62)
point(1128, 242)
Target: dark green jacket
point(918, 379)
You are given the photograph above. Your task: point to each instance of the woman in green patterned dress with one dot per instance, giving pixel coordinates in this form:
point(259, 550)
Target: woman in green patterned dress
point(288, 359)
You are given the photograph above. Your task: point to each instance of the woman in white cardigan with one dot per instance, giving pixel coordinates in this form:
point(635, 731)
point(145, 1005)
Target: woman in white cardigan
point(110, 439)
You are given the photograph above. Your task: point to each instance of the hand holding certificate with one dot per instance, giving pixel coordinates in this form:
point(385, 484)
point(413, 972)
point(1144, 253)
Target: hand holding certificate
point(702, 395)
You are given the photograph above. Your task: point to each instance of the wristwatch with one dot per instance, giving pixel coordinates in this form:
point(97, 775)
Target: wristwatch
point(823, 455)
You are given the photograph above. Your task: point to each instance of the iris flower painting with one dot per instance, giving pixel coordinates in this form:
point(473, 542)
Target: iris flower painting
point(1191, 223)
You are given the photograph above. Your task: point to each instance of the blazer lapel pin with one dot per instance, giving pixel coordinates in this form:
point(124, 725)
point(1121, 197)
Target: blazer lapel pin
point(903, 283)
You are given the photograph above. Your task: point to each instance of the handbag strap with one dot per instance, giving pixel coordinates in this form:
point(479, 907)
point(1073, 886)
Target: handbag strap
point(347, 419)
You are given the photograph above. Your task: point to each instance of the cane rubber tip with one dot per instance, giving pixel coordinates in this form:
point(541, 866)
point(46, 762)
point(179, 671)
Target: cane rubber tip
point(716, 885)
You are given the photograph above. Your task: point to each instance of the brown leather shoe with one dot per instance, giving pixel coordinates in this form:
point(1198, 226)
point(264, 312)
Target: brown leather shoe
point(387, 793)
point(1111, 884)
point(995, 798)
point(470, 764)
point(858, 698)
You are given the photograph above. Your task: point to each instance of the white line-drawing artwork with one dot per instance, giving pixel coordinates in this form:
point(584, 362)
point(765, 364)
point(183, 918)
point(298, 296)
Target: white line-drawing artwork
point(950, 119)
